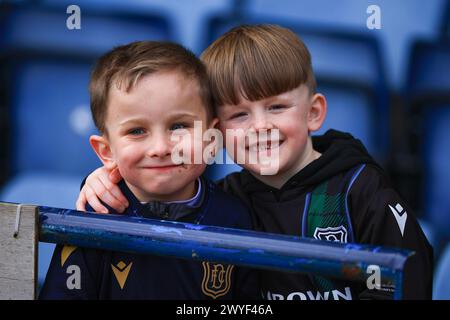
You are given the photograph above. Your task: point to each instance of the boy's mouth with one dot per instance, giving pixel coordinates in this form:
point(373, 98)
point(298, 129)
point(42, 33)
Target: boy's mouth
point(264, 145)
point(164, 167)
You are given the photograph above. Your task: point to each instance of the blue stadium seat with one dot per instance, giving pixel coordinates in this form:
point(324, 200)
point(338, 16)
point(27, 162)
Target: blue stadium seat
point(429, 94)
point(430, 233)
point(345, 101)
point(50, 116)
point(44, 28)
point(445, 24)
point(428, 67)
point(441, 287)
point(349, 71)
point(186, 18)
point(49, 73)
point(399, 23)
point(436, 154)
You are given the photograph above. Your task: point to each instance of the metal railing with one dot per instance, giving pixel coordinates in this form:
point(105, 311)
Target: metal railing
point(233, 246)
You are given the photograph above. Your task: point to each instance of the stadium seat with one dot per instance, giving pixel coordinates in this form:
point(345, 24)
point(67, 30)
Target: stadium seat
point(428, 91)
point(186, 18)
point(435, 154)
point(50, 116)
point(350, 72)
point(429, 64)
point(344, 101)
point(99, 31)
point(430, 233)
point(441, 287)
point(50, 71)
point(49, 66)
point(445, 24)
point(30, 188)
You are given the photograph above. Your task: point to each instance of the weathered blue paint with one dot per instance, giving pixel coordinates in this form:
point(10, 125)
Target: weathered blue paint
point(240, 247)
point(398, 293)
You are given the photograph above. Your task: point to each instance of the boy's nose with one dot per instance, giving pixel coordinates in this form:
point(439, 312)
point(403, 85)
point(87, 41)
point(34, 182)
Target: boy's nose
point(261, 123)
point(159, 147)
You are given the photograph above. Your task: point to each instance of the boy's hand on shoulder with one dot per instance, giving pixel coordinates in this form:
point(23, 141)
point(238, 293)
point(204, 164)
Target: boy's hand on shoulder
point(102, 185)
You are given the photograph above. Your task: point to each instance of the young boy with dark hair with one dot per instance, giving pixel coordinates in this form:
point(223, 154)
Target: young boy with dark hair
point(142, 95)
point(325, 187)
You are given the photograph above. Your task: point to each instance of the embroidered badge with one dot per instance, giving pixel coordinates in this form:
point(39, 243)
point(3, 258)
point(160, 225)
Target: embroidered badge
point(336, 234)
point(216, 279)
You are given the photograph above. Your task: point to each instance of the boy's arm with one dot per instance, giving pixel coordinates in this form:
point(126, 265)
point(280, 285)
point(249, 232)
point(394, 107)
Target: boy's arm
point(101, 186)
point(381, 217)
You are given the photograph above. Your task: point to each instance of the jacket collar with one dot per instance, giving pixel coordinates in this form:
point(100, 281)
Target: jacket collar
point(163, 210)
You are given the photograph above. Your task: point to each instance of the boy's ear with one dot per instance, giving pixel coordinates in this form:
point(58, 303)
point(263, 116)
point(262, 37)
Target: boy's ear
point(103, 150)
point(317, 112)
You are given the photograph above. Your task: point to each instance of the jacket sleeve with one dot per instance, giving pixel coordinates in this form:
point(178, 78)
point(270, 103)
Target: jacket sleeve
point(72, 274)
point(381, 217)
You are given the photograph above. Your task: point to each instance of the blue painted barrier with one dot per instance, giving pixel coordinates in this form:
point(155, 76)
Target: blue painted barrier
point(239, 247)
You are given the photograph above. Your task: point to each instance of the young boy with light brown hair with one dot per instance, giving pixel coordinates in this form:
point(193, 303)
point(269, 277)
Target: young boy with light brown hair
point(325, 187)
point(142, 96)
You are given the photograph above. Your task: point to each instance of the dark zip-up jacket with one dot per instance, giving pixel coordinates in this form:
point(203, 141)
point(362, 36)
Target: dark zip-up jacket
point(377, 216)
point(83, 273)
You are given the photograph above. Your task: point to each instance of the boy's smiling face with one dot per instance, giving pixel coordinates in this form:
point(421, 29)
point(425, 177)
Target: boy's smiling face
point(294, 114)
point(139, 126)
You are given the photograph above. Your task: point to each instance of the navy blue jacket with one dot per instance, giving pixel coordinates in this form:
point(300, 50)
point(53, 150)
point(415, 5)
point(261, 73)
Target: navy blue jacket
point(377, 215)
point(82, 273)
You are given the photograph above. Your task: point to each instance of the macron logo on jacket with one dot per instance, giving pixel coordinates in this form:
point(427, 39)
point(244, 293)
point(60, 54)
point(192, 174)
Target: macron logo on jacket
point(400, 216)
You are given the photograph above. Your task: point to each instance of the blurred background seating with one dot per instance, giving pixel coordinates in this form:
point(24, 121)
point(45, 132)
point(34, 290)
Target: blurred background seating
point(394, 81)
point(441, 287)
point(428, 96)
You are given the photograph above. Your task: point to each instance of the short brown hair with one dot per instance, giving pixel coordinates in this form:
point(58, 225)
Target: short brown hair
point(125, 65)
point(257, 62)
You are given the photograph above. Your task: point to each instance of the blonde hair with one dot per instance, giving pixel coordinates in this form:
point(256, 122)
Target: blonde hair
point(257, 62)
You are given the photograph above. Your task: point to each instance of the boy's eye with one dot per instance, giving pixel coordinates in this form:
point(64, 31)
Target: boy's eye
point(238, 115)
point(276, 107)
point(177, 126)
point(136, 131)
